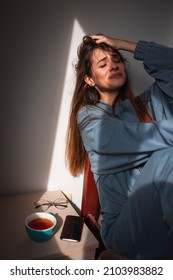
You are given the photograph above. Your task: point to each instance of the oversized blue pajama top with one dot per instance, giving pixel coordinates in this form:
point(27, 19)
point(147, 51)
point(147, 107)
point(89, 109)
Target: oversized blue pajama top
point(132, 163)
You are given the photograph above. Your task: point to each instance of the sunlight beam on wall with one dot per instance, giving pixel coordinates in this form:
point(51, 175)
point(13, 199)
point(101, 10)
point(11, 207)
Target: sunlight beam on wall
point(59, 176)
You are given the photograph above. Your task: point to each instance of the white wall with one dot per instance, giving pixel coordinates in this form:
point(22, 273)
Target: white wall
point(40, 41)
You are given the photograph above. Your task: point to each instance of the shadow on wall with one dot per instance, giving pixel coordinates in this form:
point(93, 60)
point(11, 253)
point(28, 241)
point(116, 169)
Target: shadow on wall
point(36, 52)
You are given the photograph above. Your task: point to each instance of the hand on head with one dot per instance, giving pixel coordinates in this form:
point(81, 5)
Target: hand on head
point(100, 38)
point(116, 43)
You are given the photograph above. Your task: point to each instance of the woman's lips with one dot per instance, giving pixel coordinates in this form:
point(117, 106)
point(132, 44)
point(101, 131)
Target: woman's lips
point(115, 75)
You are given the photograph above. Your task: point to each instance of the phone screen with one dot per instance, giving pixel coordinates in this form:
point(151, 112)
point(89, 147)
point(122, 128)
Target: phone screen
point(72, 228)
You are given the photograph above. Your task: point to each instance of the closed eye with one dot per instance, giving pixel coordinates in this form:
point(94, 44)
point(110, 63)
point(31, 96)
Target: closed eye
point(102, 66)
point(117, 60)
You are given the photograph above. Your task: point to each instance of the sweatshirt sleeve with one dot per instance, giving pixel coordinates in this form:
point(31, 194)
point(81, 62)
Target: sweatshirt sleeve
point(115, 145)
point(113, 136)
point(158, 62)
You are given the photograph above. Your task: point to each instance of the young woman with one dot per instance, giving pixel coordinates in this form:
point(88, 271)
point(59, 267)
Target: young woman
point(129, 141)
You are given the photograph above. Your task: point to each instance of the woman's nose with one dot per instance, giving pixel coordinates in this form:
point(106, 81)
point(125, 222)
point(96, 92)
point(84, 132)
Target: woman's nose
point(113, 65)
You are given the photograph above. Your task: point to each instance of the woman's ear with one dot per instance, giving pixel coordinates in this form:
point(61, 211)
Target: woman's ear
point(89, 81)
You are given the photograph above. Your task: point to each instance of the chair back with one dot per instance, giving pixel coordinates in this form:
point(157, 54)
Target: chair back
point(90, 198)
point(90, 209)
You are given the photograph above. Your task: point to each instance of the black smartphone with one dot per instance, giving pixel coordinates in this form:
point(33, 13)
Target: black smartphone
point(72, 228)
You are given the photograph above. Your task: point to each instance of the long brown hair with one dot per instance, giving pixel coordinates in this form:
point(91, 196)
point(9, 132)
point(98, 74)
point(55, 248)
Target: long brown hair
point(86, 95)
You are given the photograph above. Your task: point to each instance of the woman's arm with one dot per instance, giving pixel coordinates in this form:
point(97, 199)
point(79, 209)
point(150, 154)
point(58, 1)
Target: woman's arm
point(115, 145)
point(158, 62)
point(115, 43)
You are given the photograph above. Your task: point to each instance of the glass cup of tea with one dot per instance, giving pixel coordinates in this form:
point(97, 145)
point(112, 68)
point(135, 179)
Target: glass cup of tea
point(40, 226)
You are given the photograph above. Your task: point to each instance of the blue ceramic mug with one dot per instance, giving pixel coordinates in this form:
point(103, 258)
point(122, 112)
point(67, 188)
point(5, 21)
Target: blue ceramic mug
point(40, 226)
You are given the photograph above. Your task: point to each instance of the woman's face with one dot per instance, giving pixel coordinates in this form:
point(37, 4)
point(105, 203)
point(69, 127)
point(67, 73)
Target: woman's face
point(108, 72)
